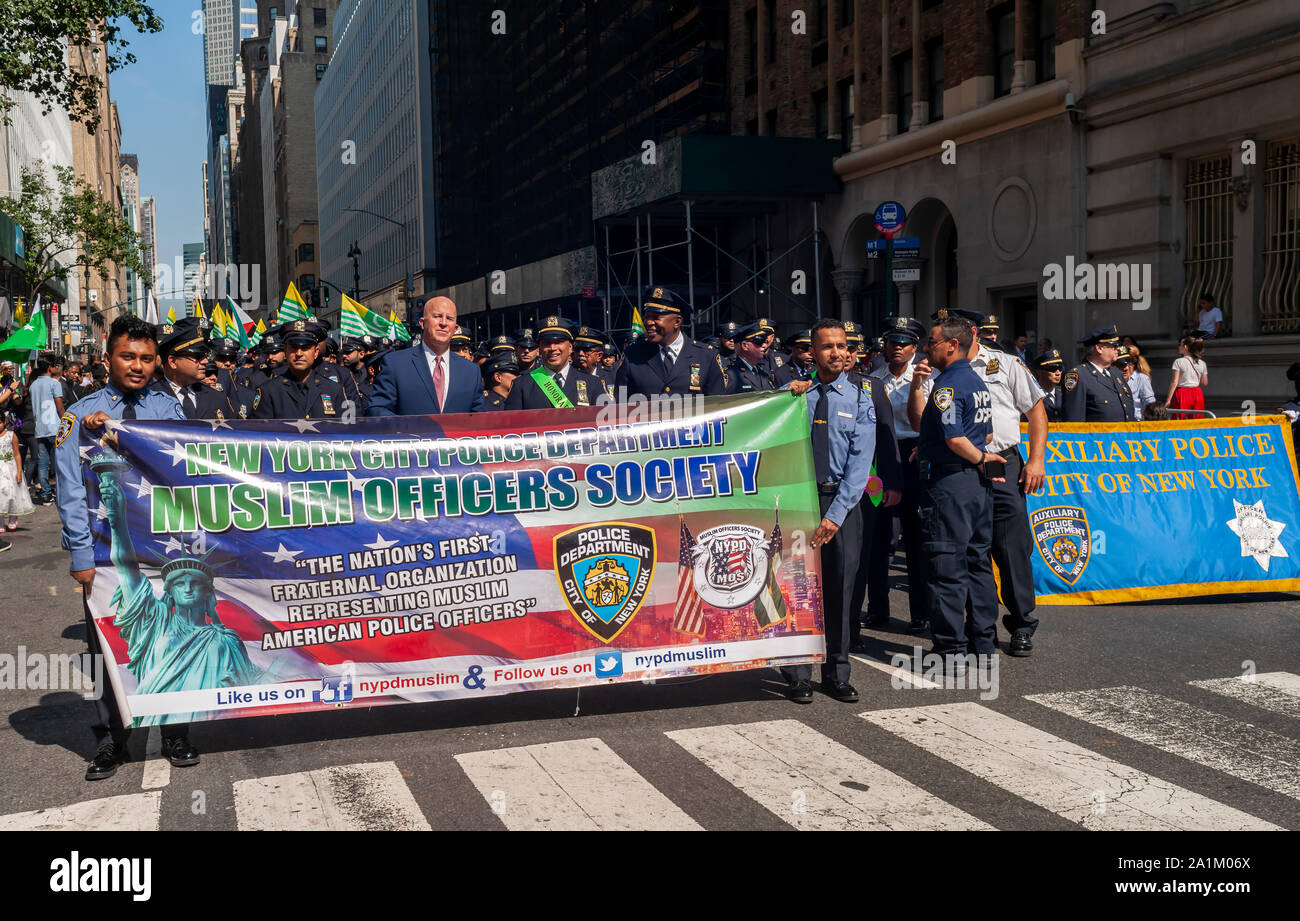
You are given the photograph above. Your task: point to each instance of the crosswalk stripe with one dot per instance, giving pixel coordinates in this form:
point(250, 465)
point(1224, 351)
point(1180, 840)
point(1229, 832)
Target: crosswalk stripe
point(570, 786)
point(1069, 780)
point(815, 783)
point(1229, 745)
point(352, 797)
point(1276, 691)
point(157, 769)
point(131, 812)
point(916, 681)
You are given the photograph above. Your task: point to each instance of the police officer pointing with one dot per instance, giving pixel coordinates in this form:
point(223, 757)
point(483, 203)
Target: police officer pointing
point(957, 509)
point(843, 420)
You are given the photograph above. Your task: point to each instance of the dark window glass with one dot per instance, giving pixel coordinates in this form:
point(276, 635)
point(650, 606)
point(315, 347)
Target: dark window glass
point(934, 78)
point(1004, 48)
point(846, 14)
point(820, 9)
point(1046, 40)
point(769, 13)
point(821, 114)
point(320, 70)
point(846, 112)
point(751, 43)
point(903, 90)
point(318, 16)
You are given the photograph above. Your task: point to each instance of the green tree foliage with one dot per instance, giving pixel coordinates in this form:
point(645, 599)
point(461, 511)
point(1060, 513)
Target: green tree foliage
point(67, 218)
point(34, 39)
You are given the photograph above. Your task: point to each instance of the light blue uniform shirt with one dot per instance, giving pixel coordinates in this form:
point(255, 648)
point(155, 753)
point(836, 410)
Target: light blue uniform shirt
point(72, 491)
point(851, 418)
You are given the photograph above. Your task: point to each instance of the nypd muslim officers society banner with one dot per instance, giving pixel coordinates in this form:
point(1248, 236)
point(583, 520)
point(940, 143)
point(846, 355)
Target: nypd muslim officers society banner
point(1140, 510)
point(270, 567)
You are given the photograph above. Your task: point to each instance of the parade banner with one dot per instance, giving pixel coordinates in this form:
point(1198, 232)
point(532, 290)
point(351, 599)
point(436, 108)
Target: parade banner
point(253, 568)
point(1144, 510)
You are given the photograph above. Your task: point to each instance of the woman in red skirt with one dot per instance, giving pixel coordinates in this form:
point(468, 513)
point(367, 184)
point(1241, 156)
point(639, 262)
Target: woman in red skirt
point(1190, 375)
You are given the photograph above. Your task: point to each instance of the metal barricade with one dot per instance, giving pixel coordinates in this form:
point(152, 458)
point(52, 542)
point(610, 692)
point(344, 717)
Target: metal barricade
point(1191, 412)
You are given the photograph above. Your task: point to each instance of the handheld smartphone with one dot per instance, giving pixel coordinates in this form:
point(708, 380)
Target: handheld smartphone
point(994, 469)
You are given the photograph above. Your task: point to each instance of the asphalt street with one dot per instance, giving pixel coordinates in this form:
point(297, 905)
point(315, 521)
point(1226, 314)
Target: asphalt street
point(722, 752)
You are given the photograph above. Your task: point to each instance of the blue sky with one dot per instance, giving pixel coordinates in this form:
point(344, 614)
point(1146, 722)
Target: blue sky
point(160, 104)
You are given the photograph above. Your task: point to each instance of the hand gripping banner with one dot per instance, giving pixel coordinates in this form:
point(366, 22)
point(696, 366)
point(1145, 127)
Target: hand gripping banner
point(1144, 510)
point(271, 567)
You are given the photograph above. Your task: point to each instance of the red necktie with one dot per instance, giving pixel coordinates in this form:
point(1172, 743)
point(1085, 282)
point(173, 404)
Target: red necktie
point(439, 382)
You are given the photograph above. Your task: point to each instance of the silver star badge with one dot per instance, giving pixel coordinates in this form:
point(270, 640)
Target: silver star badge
point(1258, 533)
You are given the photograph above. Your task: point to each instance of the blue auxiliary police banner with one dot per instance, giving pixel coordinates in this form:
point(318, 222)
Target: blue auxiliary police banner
point(1143, 510)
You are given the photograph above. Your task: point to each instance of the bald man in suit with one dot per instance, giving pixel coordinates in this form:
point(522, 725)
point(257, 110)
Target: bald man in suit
point(428, 379)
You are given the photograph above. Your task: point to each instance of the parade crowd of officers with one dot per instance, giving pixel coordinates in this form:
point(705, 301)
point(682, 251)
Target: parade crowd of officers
point(938, 405)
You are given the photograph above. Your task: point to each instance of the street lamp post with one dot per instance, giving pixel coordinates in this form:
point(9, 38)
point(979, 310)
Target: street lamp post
point(406, 265)
point(353, 253)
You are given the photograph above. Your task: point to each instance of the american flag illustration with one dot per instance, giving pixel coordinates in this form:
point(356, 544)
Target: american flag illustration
point(688, 615)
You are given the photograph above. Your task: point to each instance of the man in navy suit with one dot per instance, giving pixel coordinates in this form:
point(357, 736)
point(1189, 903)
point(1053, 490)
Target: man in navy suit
point(667, 360)
point(572, 385)
point(428, 379)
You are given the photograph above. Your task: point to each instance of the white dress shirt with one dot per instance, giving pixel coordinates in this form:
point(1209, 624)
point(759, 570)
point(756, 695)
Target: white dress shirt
point(897, 389)
point(1013, 391)
point(675, 347)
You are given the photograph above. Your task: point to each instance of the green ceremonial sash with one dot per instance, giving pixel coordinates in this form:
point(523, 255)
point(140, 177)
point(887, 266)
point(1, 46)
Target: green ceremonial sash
point(542, 378)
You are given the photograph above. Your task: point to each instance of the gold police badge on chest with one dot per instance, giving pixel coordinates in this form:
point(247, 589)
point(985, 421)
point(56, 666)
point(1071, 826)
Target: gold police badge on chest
point(582, 394)
point(327, 404)
point(695, 377)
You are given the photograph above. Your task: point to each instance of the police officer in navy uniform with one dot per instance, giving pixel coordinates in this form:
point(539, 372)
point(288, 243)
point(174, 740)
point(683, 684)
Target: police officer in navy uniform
point(801, 358)
point(183, 353)
point(352, 356)
point(270, 356)
point(588, 350)
point(989, 330)
point(1094, 391)
point(773, 356)
point(667, 361)
point(750, 371)
point(327, 365)
point(226, 354)
point(526, 350)
point(301, 392)
point(1047, 371)
point(499, 375)
point(132, 355)
point(843, 424)
point(957, 509)
point(555, 341)
point(462, 344)
point(726, 336)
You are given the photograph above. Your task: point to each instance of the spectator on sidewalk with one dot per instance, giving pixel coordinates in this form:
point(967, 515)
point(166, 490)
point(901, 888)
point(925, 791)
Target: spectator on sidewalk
point(47, 407)
point(14, 500)
point(1190, 375)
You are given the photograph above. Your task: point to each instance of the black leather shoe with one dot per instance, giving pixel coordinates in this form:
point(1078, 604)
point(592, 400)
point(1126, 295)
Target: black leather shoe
point(180, 752)
point(1020, 645)
point(918, 627)
point(860, 645)
point(801, 692)
point(841, 691)
point(875, 620)
point(104, 764)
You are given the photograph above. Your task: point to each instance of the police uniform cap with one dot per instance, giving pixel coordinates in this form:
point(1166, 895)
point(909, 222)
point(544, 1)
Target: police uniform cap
point(753, 330)
point(1105, 334)
point(766, 325)
point(182, 336)
point(1124, 356)
point(460, 337)
point(802, 337)
point(727, 330)
point(500, 343)
point(611, 348)
point(368, 342)
point(504, 361)
point(990, 322)
point(875, 345)
point(303, 332)
point(375, 358)
point(903, 329)
point(225, 348)
point(589, 338)
point(352, 344)
point(1049, 359)
point(665, 300)
point(852, 332)
point(974, 317)
point(555, 327)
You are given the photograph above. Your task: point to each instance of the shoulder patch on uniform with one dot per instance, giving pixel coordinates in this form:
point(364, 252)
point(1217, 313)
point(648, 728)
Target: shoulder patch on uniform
point(66, 422)
point(992, 366)
point(1070, 381)
point(943, 398)
point(257, 398)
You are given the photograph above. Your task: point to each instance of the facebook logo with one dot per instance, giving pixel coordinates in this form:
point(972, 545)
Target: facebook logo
point(609, 664)
point(334, 690)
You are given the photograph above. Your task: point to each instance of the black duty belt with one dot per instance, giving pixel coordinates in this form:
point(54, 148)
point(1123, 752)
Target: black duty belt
point(1009, 453)
point(938, 470)
point(828, 489)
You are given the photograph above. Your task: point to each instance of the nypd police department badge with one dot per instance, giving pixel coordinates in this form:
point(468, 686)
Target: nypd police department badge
point(66, 422)
point(943, 398)
point(729, 564)
point(1071, 380)
point(604, 571)
point(1064, 540)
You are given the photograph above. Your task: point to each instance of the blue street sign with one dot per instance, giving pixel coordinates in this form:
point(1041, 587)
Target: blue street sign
point(899, 243)
point(890, 217)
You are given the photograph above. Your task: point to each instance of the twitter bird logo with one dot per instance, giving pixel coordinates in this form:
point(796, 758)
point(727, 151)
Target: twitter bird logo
point(609, 664)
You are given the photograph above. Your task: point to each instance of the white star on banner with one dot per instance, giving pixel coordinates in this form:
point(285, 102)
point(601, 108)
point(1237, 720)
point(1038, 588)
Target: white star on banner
point(177, 453)
point(380, 543)
point(143, 489)
point(172, 545)
point(302, 425)
point(356, 484)
point(218, 424)
point(112, 425)
point(282, 555)
point(1258, 533)
point(99, 511)
point(85, 451)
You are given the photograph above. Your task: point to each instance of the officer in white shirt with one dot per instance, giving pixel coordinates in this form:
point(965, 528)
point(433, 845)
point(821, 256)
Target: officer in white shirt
point(901, 335)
